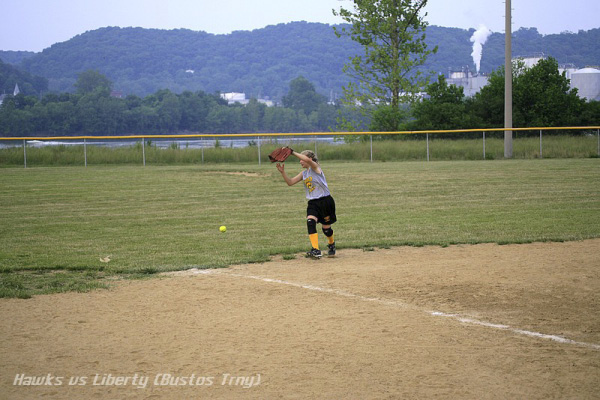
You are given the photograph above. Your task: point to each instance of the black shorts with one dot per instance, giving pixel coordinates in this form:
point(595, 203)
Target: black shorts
point(323, 208)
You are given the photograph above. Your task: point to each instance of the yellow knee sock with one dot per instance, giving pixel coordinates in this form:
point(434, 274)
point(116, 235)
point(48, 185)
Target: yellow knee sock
point(314, 240)
point(330, 239)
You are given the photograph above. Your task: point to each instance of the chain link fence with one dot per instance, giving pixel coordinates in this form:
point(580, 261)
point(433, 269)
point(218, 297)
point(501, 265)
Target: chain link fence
point(471, 144)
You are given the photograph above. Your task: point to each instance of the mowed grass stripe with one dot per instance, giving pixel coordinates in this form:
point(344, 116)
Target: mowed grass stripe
point(166, 218)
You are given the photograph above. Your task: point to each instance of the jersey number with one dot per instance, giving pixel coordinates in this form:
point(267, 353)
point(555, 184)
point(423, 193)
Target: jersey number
point(309, 185)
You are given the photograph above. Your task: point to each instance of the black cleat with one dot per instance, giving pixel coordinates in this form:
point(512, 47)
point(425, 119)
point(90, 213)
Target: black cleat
point(331, 251)
point(314, 253)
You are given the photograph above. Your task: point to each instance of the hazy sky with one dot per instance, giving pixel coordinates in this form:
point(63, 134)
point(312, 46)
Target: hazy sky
point(36, 24)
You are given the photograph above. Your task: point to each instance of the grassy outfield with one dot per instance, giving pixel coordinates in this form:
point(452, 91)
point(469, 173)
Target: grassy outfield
point(56, 223)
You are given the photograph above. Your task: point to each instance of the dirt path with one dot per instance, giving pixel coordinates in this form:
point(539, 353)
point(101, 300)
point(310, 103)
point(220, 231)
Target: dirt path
point(483, 321)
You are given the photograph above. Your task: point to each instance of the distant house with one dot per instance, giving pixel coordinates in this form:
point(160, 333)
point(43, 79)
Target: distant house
point(235, 97)
point(267, 102)
point(15, 92)
point(116, 94)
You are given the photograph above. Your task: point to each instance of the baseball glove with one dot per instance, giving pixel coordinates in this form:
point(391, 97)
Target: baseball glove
point(280, 154)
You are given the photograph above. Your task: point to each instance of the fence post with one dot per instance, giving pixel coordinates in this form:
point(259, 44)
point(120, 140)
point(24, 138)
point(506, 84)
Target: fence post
point(427, 139)
point(541, 156)
point(484, 145)
point(598, 133)
point(371, 147)
point(25, 152)
point(85, 152)
point(144, 151)
point(258, 140)
point(316, 154)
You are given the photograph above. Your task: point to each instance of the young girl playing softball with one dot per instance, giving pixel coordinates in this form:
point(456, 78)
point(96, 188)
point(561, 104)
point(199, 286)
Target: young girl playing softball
point(321, 207)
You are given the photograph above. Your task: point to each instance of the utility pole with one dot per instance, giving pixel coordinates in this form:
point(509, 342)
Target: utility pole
point(507, 82)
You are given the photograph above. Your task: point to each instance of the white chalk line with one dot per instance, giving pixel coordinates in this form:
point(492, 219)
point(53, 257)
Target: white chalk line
point(457, 317)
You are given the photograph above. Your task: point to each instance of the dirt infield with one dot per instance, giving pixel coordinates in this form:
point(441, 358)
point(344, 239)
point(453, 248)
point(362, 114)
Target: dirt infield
point(478, 322)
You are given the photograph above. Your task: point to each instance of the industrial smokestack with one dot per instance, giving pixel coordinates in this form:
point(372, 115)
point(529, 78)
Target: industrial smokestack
point(479, 38)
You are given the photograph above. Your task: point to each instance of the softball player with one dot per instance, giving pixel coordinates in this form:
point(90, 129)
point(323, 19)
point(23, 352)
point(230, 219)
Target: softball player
point(321, 206)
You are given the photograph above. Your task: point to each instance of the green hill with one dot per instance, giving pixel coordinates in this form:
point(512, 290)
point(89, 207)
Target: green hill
point(28, 84)
point(15, 57)
point(262, 62)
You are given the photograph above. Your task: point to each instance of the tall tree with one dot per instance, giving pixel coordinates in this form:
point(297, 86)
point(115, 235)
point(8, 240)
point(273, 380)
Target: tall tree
point(392, 34)
point(544, 96)
point(444, 109)
point(303, 96)
point(90, 80)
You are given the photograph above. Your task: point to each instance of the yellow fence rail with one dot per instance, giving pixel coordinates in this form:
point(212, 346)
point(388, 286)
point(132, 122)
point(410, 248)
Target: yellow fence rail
point(233, 135)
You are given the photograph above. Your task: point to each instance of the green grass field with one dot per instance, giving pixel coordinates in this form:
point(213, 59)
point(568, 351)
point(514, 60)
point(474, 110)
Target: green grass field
point(56, 223)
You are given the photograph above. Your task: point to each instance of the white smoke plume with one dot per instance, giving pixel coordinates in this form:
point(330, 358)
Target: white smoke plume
point(479, 38)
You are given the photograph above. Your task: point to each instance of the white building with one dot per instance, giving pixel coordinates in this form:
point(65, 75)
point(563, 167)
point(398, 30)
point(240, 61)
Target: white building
point(15, 92)
point(235, 97)
point(464, 78)
point(587, 82)
point(530, 61)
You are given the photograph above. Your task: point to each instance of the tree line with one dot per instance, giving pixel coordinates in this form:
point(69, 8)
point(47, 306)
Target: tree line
point(541, 97)
point(91, 110)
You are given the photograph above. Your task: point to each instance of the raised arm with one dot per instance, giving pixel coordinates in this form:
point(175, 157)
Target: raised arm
point(313, 165)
